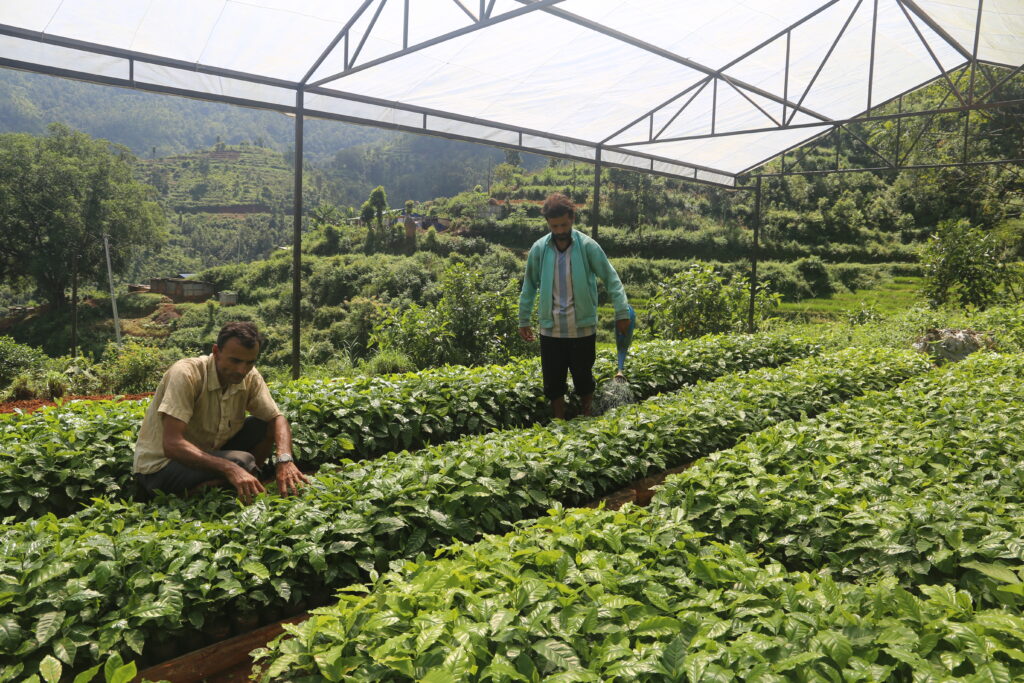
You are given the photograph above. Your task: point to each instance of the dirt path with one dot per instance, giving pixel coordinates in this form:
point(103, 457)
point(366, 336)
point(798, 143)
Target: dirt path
point(35, 404)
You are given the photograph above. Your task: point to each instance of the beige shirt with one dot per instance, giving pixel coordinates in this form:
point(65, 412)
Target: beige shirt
point(191, 392)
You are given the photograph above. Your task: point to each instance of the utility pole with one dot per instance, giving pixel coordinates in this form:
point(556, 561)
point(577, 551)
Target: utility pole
point(74, 305)
point(113, 297)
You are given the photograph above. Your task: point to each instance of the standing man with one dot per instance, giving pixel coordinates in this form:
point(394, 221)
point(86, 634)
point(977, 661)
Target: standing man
point(564, 266)
point(195, 433)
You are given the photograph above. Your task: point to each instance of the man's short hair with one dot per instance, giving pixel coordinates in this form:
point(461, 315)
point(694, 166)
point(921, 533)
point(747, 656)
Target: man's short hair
point(242, 330)
point(558, 205)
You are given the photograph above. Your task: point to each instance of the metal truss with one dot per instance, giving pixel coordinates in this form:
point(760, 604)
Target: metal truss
point(964, 89)
point(482, 19)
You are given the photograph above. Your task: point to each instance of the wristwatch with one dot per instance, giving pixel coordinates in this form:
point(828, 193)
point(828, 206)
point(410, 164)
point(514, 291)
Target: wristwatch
point(282, 457)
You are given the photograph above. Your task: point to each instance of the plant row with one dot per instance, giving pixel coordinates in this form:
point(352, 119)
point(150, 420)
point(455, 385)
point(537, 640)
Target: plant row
point(57, 460)
point(922, 483)
point(602, 596)
point(892, 527)
point(118, 576)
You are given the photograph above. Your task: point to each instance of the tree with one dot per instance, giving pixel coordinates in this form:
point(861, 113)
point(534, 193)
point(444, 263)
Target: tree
point(378, 199)
point(366, 216)
point(59, 194)
point(968, 266)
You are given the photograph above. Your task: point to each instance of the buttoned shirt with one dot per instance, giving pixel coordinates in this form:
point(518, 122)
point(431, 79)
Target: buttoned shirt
point(191, 392)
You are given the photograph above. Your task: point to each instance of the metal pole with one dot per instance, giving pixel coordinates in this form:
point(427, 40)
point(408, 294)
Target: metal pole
point(899, 131)
point(113, 297)
point(297, 239)
point(74, 306)
point(595, 212)
point(751, 325)
point(871, 62)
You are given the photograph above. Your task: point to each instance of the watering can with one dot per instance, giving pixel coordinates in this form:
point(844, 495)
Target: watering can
point(622, 342)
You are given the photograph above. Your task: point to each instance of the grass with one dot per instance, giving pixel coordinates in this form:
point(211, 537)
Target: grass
point(901, 293)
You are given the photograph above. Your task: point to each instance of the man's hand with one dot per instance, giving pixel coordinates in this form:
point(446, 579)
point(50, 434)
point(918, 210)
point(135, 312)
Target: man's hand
point(526, 333)
point(289, 478)
point(247, 486)
point(622, 326)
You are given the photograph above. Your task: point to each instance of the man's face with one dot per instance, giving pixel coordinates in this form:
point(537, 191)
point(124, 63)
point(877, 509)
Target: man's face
point(561, 231)
point(234, 361)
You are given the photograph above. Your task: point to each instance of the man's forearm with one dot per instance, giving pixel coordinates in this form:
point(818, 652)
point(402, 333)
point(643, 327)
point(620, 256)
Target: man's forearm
point(283, 434)
point(190, 455)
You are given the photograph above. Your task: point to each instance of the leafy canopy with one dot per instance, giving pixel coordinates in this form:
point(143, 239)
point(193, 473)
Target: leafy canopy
point(59, 194)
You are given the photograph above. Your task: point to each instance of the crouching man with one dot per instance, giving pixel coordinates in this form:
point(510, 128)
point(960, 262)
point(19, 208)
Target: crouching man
point(196, 434)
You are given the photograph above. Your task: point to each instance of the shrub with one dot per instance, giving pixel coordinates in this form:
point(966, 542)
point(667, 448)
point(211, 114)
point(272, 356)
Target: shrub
point(83, 376)
point(472, 323)
point(698, 301)
point(135, 368)
point(814, 272)
point(16, 358)
point(430, 242)
point(138, 304)
point(388, 362)
point(23, 388)
point(784, 279)
point(354, 330)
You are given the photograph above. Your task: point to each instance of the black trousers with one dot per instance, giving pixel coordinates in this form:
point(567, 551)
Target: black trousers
point(558, 356)
point(177, 478)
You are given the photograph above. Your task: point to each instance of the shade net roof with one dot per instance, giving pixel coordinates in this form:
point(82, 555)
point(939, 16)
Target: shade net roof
point(702, 90)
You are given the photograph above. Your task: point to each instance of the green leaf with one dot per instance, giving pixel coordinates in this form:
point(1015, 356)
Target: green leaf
point(87, 675)
point(10, 632)
point(673, 657)
point(697, 664)
point(113, 663)
point(429, 635)
point(658, 626)
point(944, 595)
point(51, 669)
point(501, 666)
point(331, 663)
point(257, 569)
point(154, 610)
point(48, 625)
point(123, 674)
point(65, 649)
point(626, 670)
point(994, 571)
point(558, 653)
point(135, 640)
point(795, 661)
point(991, 672)
point(837, 646)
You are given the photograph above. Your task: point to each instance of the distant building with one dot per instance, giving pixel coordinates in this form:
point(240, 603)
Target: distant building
point(181, 290)
point(424, 222)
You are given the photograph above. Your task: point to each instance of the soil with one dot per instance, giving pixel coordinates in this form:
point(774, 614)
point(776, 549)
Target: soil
point(35, 404)
point(166, 313)
point(639, 492)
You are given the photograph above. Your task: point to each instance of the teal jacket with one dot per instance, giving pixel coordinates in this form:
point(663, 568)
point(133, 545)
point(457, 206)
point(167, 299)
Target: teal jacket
point(588, 264)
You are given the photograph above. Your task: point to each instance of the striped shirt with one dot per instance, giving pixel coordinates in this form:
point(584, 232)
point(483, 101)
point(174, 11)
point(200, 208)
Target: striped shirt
point(563, 307)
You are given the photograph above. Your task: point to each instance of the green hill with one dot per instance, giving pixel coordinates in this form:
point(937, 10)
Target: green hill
point(230, 179)
point(157, 125)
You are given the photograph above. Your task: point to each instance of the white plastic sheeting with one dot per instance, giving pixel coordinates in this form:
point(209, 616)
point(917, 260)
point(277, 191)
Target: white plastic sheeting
point(703, 90)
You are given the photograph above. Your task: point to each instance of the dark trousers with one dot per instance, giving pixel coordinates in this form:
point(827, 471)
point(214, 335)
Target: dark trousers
point(178, 478)
point(558, 356)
